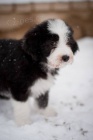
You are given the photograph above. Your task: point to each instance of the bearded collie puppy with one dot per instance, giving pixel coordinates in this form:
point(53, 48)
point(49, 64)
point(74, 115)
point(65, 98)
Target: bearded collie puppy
point(28, 66)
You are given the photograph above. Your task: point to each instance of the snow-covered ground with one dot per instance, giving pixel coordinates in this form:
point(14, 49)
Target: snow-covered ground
point(72, 97)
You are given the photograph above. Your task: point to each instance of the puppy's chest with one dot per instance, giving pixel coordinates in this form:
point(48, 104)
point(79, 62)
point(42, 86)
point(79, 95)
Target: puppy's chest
point(42, 85)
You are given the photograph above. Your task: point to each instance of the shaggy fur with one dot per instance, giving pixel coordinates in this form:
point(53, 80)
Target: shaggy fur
point(28, 66)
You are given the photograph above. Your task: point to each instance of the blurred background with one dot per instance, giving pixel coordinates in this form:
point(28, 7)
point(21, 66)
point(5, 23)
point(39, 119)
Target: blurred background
point(17, 16)
point(72, 95)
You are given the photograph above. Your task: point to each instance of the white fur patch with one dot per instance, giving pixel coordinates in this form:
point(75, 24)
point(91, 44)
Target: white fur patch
point(61, 29)
point(21, 112)
point(42, 85)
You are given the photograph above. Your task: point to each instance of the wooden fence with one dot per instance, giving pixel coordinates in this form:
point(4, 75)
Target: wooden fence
point(15, 19)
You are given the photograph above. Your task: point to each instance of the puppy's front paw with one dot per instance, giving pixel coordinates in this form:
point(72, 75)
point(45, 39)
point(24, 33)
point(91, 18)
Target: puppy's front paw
point(49, 112)
point(21, 112)
point(22, 121)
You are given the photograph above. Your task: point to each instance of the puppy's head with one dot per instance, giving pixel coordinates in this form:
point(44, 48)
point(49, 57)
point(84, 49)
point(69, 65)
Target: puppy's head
point(51, 42)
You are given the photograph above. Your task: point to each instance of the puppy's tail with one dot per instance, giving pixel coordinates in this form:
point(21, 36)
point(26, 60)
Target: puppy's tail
point(5, 96)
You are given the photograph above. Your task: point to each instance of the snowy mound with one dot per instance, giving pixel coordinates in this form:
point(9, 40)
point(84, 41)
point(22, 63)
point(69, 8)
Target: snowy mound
point(72, 96)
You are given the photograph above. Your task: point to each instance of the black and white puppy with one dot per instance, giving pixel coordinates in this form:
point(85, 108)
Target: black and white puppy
point(28, 66)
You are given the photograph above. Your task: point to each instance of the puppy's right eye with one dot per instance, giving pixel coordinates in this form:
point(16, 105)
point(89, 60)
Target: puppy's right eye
point(53, 49)
point(55, 37)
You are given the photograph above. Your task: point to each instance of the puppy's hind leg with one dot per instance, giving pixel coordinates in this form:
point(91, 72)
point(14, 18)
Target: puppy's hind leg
point(41, 104)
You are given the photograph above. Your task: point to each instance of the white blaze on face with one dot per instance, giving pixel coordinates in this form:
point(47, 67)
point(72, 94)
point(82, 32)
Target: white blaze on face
point(61, 29)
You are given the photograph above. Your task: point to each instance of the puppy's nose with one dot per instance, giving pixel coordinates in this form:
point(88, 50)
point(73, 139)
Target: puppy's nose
point(65, 58)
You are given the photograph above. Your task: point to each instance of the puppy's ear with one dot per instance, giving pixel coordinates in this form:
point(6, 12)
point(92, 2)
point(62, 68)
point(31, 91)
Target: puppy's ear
point(30, 44)
point(34, 39)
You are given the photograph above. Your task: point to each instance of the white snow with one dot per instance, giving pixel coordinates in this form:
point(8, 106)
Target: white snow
point(72, 97)
point(39, 1)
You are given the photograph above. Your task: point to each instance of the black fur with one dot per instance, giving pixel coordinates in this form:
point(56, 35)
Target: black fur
point(22, 61)
point(70, 40)
point(42, 100)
